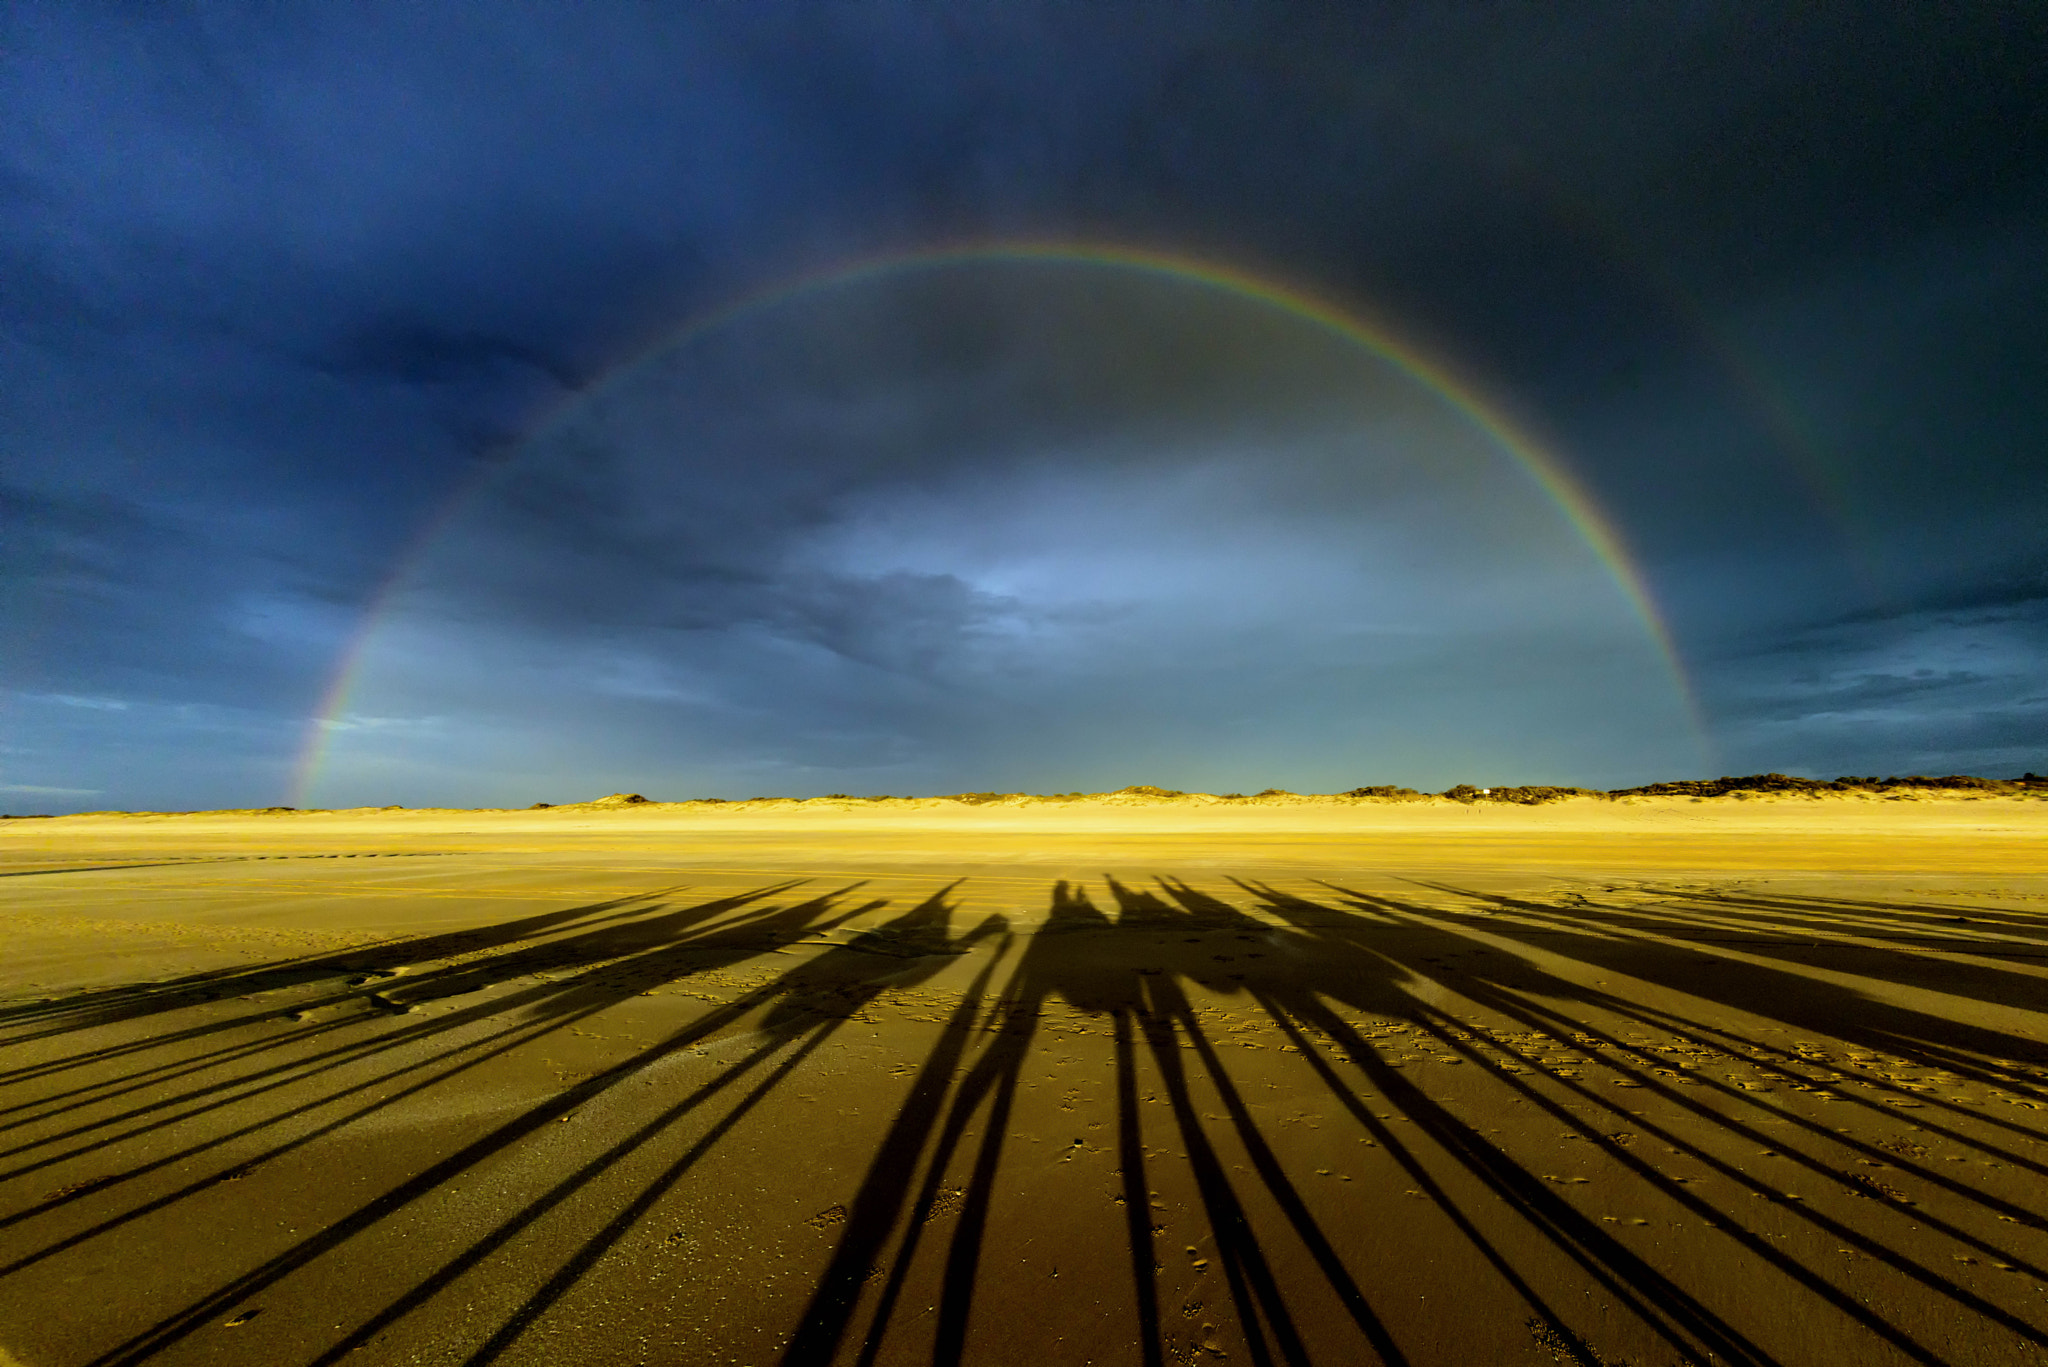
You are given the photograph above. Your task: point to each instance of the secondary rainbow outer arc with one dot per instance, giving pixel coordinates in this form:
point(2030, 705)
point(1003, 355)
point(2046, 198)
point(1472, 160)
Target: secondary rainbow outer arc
point(1460, 393)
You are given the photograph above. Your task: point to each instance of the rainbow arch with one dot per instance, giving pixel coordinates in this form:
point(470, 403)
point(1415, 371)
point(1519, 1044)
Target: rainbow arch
point(1458, 391)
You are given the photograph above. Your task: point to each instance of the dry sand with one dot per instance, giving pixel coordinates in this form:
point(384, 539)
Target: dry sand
point(1643, 1082)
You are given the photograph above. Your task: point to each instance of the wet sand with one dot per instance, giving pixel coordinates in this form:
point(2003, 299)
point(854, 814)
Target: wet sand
point(1655, 1082)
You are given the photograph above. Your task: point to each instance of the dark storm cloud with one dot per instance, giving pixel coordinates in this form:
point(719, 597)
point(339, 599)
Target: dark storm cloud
point(417, 352)
point(1953, 688)
point(83, 571)
point(276, 277)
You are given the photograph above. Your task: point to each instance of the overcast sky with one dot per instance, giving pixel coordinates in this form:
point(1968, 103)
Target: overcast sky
point(403, 335)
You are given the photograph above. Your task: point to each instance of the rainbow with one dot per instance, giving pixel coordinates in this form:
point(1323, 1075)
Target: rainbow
point(1460, 393)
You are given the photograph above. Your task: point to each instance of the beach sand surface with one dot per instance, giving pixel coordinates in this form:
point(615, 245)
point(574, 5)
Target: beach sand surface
point(1648, 1082)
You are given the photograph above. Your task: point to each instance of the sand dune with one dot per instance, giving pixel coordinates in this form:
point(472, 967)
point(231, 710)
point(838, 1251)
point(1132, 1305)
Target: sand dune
point(1128, 1079)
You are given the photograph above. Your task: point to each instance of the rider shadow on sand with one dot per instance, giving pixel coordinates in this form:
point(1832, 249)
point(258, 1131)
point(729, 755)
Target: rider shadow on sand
point(804, 1008)
point(386, 977)
point(599, 963)
point(1101, 966)
point(1324, 961)
point(805, 1005)
point(1328, 962)
point(1344, 948)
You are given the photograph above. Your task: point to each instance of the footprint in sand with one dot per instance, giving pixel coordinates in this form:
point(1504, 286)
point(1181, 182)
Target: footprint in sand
point(828, 1217)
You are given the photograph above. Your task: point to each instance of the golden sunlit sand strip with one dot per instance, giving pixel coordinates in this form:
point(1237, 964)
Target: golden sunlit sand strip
point(678, 1089)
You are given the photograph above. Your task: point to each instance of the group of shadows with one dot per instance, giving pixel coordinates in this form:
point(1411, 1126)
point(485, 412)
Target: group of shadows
point(201, 1067)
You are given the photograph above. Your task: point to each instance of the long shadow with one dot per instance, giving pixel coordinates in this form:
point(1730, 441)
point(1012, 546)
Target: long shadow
point(1098, 966)
point(107, 868)
point(585, 997)
point(1724, 918)
point(1529, 1009)
point(1992, 1058)
point(1244, 1264)
point(670, 934)
point(1348, 964)
point(496, 1043)
point(1317, 961)
point(1340, 961)
point(805, 1007)
point(1940, 914)
point(196, 861)
point(1688, 1326)
point(141, 1002)
point(1378, 994)
point(1989, 1056)
point(879, 1202)
point(1517, 1004)
point(878, 1206)
point(935, 1103)
point(1936, 923)
point(366, 990)
point(658, 951)
point(1705, 920)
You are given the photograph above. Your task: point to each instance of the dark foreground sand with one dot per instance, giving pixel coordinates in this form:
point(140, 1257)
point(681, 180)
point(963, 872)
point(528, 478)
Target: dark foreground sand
point(1648, 1083)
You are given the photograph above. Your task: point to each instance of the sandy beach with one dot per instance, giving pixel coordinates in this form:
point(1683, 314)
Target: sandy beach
point(1119, 1081)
